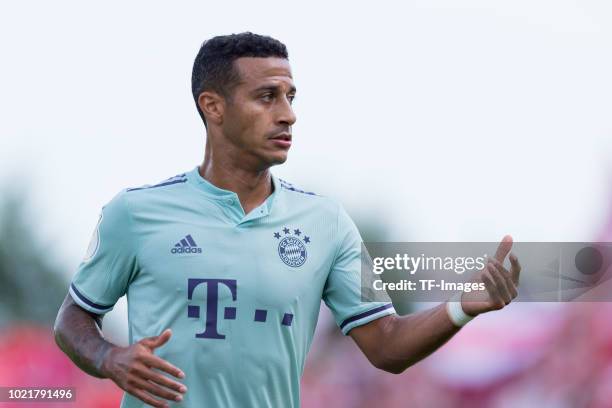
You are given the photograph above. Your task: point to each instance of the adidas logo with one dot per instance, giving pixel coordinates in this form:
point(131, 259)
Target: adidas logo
point(186, 246)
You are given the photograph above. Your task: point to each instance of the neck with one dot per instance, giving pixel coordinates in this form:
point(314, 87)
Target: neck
point(251, 186)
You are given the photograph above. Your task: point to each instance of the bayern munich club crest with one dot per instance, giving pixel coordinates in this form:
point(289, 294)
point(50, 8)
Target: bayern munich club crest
point(292, 246)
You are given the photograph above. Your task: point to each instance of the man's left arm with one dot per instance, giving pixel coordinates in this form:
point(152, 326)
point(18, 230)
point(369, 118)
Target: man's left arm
point(394, 343)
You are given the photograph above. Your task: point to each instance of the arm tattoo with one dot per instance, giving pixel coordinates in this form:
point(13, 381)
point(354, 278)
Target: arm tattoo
point(78, 333)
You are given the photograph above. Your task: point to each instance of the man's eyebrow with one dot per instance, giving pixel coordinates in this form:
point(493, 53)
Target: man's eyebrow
point(274, 88)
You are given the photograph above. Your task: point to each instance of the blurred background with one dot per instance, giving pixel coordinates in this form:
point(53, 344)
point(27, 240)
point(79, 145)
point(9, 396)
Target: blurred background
point(439, 121)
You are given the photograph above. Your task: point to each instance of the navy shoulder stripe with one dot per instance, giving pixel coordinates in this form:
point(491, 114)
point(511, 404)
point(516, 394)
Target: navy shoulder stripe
point(172, 180)
point(365, 314)
point(288, 186)
point(89, 302)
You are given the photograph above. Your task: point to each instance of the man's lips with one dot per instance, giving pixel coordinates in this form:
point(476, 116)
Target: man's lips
point(282, 140)
point(282, 136)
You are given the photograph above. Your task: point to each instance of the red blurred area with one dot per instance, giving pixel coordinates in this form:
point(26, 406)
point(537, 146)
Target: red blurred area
point(559, 356)
point(532, 355)
point(29, 357)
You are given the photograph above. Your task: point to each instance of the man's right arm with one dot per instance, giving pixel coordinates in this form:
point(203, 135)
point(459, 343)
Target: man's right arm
point(79, 334)
point(134, 368)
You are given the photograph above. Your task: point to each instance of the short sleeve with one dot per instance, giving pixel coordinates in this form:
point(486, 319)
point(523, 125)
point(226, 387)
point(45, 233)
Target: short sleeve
point(110, 262)
point(342, 292)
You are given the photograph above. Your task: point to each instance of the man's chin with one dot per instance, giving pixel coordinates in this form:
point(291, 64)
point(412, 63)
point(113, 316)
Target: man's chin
point(278, 158)
point(266, 159)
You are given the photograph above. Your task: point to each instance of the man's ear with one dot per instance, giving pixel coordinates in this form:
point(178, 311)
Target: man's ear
point(213, 106)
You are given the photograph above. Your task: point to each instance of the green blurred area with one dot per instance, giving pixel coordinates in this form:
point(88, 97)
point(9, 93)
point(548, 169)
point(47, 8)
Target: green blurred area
point(32, 287)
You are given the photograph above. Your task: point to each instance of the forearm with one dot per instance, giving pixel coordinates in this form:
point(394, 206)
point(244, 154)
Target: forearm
point(394, 343)
point(409, 339)
point(78, 334)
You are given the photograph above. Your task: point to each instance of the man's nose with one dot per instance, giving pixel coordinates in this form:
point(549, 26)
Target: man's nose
point(286, 116)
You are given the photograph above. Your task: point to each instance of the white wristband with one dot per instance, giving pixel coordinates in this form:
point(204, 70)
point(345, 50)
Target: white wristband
point(455, 311)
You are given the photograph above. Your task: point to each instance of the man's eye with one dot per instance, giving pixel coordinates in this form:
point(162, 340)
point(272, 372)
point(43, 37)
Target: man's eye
point(267, 97)
point(291, 98)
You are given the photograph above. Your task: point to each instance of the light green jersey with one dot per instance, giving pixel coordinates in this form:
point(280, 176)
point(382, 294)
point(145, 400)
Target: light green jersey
point(241, 292)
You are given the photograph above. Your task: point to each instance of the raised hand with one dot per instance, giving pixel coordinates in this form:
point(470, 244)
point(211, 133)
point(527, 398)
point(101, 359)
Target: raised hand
point(501, 285)
point(132, 368)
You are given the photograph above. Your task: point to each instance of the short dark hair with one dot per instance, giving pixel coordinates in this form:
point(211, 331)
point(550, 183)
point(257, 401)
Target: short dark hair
point(213, 68)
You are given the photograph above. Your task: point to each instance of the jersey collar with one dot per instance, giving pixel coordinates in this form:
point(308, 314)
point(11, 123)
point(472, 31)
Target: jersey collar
point(229, 200)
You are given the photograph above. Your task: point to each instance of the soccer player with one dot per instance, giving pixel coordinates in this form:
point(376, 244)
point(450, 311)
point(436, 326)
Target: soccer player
point(224, 266)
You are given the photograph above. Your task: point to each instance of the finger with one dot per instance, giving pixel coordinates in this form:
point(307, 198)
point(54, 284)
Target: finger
point(504, 247)
point(153, 361)
point(516, 268)
point(500, 283)
point(505, 274)
point(146, 398)
point(494, 295)
point(510, 285)
point(160, 379)
point(156, 390)
point(157, 341)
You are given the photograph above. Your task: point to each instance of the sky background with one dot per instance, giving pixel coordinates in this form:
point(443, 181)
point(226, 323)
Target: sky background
point(436, 121)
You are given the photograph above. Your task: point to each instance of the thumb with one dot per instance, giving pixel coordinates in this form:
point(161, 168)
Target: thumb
point(504, 248)
point(157, 341)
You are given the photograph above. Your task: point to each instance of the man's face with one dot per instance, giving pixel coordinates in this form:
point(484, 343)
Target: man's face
point(258, 116)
